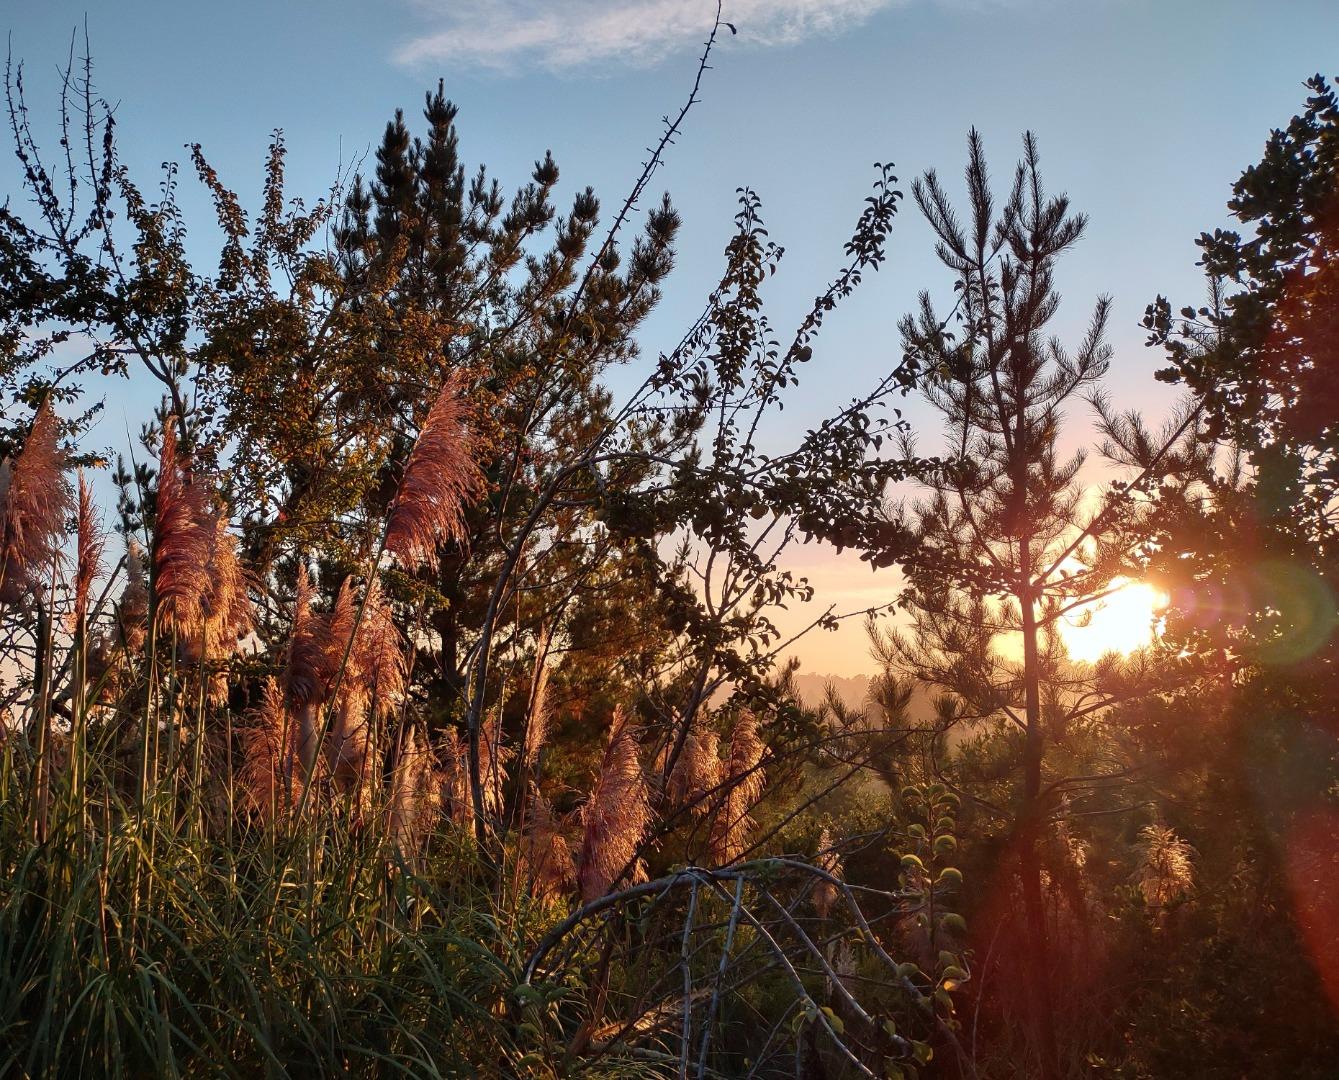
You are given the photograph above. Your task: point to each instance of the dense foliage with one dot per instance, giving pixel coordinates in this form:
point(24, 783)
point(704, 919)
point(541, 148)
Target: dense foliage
point(426, 712)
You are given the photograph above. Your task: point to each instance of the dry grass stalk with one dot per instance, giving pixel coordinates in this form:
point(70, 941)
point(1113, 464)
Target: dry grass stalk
point(34, 506)
point(826, 894)
point(269, 778)
point(416, 795)
point(537, 715)
point(457, 801)
point(225, 613)
point(181, 543)
point(441, 478)
point(132, 612)
point(91, 540)
point(494, 754)
point(546, 856)
point(615, 817)
point(373, 686)
point(742, 785)
point(697, 772)
point(1165, 872)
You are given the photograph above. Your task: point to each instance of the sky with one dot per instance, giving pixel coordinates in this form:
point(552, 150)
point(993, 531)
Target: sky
point(1145, 110)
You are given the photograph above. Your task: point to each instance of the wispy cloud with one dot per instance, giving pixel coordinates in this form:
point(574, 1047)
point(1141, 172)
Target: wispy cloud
point(511, 35)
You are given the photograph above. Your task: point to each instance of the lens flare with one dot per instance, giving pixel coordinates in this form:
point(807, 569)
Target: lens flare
point(1298, 608)
point(1289, 609)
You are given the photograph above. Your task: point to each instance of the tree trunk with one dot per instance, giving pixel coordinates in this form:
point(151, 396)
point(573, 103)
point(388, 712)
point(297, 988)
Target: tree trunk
point(1028, 834)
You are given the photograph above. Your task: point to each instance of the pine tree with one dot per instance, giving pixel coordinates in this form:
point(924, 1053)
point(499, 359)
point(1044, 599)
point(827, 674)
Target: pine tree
point(1004, 546)
point(397, 183)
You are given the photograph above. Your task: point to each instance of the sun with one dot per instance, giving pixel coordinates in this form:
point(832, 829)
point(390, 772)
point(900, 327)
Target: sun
point(1123, 622)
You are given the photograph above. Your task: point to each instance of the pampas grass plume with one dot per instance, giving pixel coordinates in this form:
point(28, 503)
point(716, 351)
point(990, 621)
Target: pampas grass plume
point(615, 817)
point(374, 680)
point(697, 772)
point(309, 665)
point(454, 778)
point(269, 778)
point(441, 478)
point(416, 799)
point(225, 612)
point(545, 853)
point(91, 540)
point(132, 614)
point(378, 664)
point(1165, 871)
point(494, 754)
point(34, 507)
point(742, 785)
point(181, 542)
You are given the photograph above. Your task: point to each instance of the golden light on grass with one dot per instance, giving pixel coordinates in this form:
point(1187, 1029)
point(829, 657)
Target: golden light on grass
point(1123, 622)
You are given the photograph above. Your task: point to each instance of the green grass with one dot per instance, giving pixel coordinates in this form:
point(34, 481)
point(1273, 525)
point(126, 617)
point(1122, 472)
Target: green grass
point(145, 946)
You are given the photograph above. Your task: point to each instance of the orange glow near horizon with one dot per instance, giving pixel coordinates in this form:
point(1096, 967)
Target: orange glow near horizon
point(1123, 622)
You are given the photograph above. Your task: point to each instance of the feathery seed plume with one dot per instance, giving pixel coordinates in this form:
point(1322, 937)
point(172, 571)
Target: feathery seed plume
point(374, 682)
point(742, 783)
point(225, 613)
point(698, 770)
point(328, 646)
point(269, 777)
point(348, 749)
point(545, 853)
point(339, 628)
point(493, 757)
point(310, 665)
point(309, 668)
point(615, 816)
point(416, 799)
point(537, 715)
point(455, 778)
point(89, 552)
point(379, 661)
point(440, 479)
point(227, 607)
point(34, 507)
point(102, 673)
point(181, 542)
point(132, 611)
point(1165, 872)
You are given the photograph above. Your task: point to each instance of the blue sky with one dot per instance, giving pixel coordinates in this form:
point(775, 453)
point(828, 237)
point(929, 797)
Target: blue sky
point(1146, 111)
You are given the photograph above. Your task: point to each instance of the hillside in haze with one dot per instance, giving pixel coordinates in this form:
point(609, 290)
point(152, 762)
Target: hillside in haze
point(853, 691)
point(813, 688)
